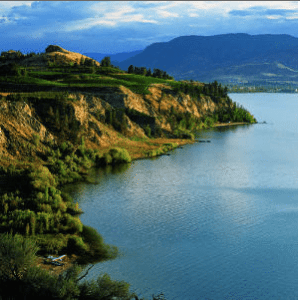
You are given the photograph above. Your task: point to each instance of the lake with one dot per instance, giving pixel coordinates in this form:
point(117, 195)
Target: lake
point(211, 221)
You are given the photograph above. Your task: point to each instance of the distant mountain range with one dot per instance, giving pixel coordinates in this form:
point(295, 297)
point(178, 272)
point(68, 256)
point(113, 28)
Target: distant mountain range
point(115, 58)
point(228, 58)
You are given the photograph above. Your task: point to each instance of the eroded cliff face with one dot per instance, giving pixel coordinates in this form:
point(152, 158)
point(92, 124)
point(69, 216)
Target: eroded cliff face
point(19, 128)
point(26, 126)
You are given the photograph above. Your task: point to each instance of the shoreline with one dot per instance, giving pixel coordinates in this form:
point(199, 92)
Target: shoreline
point(230, 124)
point(156, 144)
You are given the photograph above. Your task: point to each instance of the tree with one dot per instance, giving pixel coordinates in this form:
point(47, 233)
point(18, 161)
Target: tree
point(157, 73)
point(20, 278)
point(104, 288)
point(16, 255)
point(89, 62)
point(130, 69)
point(143, 71)
point(149, 73)
point(105, 62)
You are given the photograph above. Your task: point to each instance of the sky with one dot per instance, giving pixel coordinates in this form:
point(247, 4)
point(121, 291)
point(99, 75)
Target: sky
point(122, 26)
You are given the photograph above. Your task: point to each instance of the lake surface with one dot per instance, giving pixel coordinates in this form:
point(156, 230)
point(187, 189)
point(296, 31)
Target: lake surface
point(213, 220)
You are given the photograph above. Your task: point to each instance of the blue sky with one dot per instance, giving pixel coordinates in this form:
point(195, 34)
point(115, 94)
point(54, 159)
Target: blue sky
point(115, 26)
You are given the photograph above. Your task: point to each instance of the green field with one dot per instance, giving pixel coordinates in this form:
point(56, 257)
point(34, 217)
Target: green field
point(80, 77)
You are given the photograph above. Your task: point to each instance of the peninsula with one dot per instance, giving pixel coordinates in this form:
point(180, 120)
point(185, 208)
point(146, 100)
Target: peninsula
point(63, 113)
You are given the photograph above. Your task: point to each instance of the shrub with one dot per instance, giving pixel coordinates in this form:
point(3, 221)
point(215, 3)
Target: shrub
point(74, 224)
point(76, 245)
point(16, 255)
point(98, 250)
point(148, 130)
point(119, 155)
point(40, 178)
point(105, 160)
point(105, 288)
point(36, 140)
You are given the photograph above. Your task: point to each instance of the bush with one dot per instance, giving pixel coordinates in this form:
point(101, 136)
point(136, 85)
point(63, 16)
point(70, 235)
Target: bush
point(105, 288)
point(16, 255)
point(76, 245)
point(98, 250)
point(148, 130)
point(21, 279)
point(36, 140)
point(40, 178)
point(119, 155)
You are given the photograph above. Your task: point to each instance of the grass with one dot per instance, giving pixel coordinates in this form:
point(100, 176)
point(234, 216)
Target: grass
point(161, 150)
point(70, 77)
point(149, 147)
point(28, 80)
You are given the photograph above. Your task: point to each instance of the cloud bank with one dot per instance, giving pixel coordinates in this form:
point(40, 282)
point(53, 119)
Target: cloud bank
point(113, 26)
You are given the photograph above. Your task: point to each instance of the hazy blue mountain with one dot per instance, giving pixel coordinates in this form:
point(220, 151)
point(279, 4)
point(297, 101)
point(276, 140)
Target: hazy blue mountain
point(118, 57)
point(226, 58)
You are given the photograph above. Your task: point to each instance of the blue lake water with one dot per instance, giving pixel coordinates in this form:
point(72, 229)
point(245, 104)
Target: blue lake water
point(212, 221)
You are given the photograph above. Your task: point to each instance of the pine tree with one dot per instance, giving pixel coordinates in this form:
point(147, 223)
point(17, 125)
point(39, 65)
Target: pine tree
point(149, 73)
point(130, 69)
point(105, 62)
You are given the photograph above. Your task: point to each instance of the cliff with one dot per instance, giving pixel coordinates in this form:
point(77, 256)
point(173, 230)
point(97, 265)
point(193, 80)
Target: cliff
point(25, 120)
point(43, 106)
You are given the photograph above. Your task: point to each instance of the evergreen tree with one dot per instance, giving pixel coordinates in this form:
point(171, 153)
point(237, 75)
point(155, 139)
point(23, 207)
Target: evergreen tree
point(105, 62)
point(130, 69)
point(157, 73)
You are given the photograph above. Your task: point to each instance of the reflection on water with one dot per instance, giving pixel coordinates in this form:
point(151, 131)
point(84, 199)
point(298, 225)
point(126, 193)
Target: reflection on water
point(213, 220)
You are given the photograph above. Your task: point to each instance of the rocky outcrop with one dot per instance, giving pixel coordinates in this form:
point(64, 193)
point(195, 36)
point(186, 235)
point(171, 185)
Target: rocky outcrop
point(89, 115)
point(19, 128)
point(54, 48)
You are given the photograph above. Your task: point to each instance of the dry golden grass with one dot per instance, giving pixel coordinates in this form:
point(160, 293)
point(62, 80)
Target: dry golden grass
point(137, 149)
point(68, 56)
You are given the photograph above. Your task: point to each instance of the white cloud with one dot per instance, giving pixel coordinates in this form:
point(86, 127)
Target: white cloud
point(135, 21)
point(108, 20)
point(7, 5)
point(86, 24)
point(167, 14)
point(292, 18)
point(273, 17)
point(227, 6)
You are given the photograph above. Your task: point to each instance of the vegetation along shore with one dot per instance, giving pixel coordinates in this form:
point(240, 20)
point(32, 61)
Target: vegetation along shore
point(62, 114)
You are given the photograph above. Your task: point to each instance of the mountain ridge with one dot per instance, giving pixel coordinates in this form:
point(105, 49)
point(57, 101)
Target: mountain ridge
point(198, 55)
point(116, 58)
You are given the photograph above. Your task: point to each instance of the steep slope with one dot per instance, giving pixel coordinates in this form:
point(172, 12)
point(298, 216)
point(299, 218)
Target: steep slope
point(195, 57)
point(87, 114)
point(44, 105)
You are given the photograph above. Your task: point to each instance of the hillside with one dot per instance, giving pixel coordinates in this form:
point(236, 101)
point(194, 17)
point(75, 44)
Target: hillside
point(63, 99)
point(59, 120)
point(227, 58)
